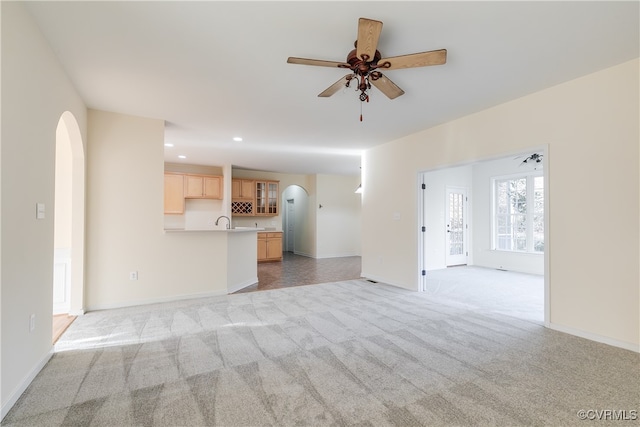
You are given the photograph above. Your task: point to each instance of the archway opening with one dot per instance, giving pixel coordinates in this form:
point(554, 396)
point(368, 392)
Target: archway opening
point(69, 220)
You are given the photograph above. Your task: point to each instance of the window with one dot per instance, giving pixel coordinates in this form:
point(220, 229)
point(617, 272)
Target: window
point(519, 213)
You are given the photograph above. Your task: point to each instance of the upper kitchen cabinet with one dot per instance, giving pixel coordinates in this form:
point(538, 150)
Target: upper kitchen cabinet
point(242, 197)
point(202, 187)
point(242, 189)
point(267, 196)
point(173, 193)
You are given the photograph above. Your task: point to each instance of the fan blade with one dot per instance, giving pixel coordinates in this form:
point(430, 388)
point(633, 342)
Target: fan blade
point(336, 86)
point(423, 59)
point(368, 34)
point(387, 87)
point(317, 62)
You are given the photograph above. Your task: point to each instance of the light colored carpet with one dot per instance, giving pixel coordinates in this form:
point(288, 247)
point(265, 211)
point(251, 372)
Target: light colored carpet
point(346, 353)
point(489, 290)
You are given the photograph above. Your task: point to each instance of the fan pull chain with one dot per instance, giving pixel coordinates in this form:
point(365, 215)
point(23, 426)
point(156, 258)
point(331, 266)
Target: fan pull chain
point(361, 102)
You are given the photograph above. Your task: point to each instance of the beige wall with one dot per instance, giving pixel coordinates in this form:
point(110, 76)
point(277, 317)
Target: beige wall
point(31, 109)
point(125, 222)
point(591, 126)
point(338, 221)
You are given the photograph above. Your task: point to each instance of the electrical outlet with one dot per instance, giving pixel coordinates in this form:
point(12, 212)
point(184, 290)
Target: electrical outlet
point(32, 323)
point(133, 275)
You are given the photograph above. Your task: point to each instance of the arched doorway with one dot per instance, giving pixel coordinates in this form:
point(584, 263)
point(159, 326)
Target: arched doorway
point(296, 222)
point(68, 291)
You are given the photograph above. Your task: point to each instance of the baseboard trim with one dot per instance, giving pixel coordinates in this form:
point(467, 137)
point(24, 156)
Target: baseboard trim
point(303, 254)
point(595, 337)
point(342, 255)
point(235, 288)
point(156, 300)
point(15, 395)
point(385, 281)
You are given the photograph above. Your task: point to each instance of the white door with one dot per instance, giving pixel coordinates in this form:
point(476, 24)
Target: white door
point(456, 226)
point(290, 234)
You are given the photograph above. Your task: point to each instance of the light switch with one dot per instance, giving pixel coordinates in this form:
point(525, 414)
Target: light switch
point(40, 211)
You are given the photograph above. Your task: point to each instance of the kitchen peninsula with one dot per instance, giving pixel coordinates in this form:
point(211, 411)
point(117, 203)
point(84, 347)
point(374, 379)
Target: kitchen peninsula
point(238, 250)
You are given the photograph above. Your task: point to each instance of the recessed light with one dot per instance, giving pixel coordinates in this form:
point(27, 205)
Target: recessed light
point(237, 139)
point(168, 144)
point(182, 157)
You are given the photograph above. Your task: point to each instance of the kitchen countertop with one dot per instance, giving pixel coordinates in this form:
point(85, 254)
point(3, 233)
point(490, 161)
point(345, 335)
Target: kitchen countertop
point(218, 230)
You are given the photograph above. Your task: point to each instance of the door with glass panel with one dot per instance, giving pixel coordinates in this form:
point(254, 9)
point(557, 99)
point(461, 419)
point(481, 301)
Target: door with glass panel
point(456, 226)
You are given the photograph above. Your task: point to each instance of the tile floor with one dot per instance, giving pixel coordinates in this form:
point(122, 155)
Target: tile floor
point(296, 270)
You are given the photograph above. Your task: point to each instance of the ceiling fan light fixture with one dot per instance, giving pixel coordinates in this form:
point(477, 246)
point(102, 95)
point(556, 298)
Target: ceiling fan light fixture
point(365, 60)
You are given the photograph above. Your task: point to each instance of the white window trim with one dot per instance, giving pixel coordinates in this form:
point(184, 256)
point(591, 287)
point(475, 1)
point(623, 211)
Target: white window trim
point(530, 189)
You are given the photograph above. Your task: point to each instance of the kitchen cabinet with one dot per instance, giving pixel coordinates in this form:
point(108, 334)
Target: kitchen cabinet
point(202, 187)
point(267, 198)
point(242, 189)
point(173, 193)
point(254, 197)
point(242, 197)
point(269, 246)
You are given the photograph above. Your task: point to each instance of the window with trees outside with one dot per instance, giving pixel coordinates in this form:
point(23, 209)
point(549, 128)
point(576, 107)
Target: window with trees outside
point(519, 213)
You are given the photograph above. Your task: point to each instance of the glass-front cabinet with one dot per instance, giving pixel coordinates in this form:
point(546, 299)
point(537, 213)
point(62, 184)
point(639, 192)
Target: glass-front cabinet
point(267, 195)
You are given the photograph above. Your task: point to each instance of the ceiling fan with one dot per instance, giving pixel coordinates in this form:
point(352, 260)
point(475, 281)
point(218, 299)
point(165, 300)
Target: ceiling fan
point(365, 61)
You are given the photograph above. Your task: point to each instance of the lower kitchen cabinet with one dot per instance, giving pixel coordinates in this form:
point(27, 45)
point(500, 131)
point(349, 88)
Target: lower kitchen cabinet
point(269, 246)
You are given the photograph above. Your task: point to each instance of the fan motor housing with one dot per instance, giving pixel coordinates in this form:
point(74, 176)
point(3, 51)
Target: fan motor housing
point(360, 66)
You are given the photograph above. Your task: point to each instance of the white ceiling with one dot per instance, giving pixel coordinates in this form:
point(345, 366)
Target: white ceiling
point(215, 70)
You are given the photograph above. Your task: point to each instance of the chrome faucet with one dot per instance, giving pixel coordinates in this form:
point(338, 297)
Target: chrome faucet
point(228, 223)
